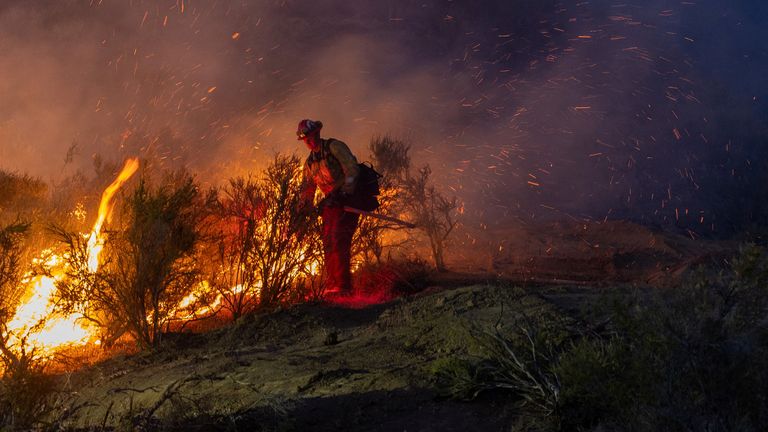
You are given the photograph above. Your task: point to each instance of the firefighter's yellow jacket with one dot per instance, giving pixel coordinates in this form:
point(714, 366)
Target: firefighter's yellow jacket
point(332, 167)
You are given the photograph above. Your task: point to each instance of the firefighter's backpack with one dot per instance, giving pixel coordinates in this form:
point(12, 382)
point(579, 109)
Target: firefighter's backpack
point(367, 189)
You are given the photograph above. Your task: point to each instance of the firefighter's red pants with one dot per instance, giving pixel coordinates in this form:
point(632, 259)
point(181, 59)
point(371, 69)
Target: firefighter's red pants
point(338, 228)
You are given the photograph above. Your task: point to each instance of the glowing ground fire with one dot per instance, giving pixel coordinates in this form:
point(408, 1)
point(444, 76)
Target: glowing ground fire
point(35, 324)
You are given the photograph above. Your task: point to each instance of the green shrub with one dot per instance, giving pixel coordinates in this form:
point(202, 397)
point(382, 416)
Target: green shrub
point(691, 358)
point(458, 378)
point(601, 380)
point(522, 363)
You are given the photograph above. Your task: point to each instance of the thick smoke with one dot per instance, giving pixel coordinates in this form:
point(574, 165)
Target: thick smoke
point(648, 110)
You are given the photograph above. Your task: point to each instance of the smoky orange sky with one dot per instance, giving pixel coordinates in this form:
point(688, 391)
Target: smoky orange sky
point(647, 110)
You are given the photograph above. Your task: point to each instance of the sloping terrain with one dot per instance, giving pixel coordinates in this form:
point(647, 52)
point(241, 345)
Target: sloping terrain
point(371, 367)
point(310, 367)
point(590, 252)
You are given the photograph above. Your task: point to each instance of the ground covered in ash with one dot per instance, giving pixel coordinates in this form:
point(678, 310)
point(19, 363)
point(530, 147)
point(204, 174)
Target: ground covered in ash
point(352, 367)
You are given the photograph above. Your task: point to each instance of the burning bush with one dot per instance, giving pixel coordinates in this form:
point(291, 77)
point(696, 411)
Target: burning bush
point(266, 244)
point(11, 268)
point(23, 385)
point(148, 264)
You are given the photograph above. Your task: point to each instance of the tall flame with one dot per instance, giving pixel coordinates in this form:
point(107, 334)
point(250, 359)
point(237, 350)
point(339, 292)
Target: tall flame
point(95, 241)
point(37, 310)
point(36, 325)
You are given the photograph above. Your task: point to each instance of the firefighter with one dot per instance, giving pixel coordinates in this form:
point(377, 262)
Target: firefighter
point(333, 168)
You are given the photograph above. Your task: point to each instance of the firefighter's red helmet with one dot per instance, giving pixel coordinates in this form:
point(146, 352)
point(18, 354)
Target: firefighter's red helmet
point(308, 127)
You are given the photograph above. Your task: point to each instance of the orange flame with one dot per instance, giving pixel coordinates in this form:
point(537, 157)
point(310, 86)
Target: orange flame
point(95, 242)
point(34, 323)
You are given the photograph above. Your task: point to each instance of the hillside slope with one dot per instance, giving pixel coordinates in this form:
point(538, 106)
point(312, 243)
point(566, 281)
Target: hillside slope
point(358, 367)
point(310, 367)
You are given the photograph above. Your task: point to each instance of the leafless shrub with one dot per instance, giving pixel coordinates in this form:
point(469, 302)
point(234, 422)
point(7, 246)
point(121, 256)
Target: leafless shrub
point(390, 158)
point(267, 243)
point(410, 193)
point(433, 212)
point(229, 255)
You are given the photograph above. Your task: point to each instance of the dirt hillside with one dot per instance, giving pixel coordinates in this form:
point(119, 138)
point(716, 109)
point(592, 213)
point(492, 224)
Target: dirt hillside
point(359, 367)
point(589, 251)
point(311, 367)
